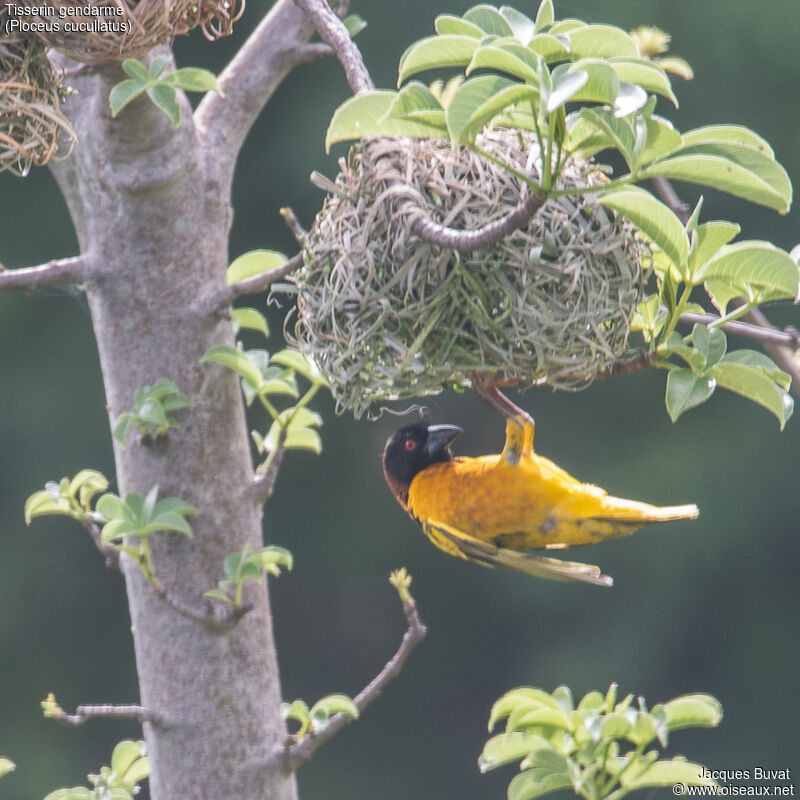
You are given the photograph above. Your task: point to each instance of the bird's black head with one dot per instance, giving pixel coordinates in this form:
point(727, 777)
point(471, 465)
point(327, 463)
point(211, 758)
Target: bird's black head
point(412, 448)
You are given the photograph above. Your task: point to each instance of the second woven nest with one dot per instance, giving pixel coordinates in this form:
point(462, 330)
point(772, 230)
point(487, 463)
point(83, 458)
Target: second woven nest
point(388, 316)
point(120, 29)
point(31, 124)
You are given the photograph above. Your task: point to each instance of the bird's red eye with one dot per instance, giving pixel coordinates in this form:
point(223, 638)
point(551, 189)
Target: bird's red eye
point(411, 445)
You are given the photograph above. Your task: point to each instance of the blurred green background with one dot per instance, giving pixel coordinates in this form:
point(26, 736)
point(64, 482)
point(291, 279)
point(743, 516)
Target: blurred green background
point(709, 605)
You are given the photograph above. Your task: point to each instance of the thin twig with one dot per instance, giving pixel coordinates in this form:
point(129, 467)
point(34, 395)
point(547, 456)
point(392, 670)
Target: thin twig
point(293, 224)
point(293, 754)
point(333, 31)
point(85, 713)
point(218, 301)
point(479, 238)
point(110, 553)
point(264, 482)
point(785, 359)
point(64, 272)
point(219, 618)
point(766, 334)
point(670, 198)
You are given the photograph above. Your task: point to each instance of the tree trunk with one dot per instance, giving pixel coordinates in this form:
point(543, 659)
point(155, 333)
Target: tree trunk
point(152, 212)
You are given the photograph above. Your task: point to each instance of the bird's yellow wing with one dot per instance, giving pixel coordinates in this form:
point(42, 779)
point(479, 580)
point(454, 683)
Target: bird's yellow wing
point(460, 544)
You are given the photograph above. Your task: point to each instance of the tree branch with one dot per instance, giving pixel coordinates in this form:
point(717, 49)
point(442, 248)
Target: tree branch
point(294, 754)
point(108, 551)
point(274, 48)
point(218, 301)
point(85, 713)
point(779, 354)
point(333, 31)
point(264, 482)
point(466, 241)
point(766, 335)
point(65, 272)
point(622, 366)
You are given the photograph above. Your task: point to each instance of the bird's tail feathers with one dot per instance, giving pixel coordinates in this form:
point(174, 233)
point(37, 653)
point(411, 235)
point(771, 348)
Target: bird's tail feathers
point(631, 511)
point(489, 555)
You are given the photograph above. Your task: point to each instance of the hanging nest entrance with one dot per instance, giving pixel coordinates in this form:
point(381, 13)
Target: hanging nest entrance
point(31, 124)
point(389, 316)
point(120, 29)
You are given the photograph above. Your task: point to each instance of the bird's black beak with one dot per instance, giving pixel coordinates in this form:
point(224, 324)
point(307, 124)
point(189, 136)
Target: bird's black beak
point(440, 437)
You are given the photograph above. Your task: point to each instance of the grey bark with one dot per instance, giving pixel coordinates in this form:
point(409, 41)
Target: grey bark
point(151, 207)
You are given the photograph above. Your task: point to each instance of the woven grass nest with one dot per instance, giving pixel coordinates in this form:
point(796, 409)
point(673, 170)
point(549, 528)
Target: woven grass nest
point(146, 24)
point(31, 124)
point(387, 316)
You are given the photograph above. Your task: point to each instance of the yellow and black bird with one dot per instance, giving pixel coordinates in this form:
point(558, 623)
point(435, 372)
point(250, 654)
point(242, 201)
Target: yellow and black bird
point(488, 509)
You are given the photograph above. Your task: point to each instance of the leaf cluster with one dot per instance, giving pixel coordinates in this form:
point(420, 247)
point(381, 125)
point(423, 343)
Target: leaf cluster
point(69, 497)
point(586, 89)
point(160, 88)
point(597, 748)
point(141, 517)
point(248, 566)
point(119, 781)
point(266, 377)
point(313, 720)
point(152, 406)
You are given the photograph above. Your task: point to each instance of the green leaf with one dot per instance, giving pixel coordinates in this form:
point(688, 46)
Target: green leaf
point(301, 439)
point(551, 48)
point(157, 66)
point(734, 134)
point(662, 138)
point(435, 52)
point(251, 319)
point(644, 73)
point(709, 238)
point(676, 346)
point(136, 70)
point(174, 505)
point(111, 507)
point(757, 182)
point(165, 98)
point(754, 384)
point(298, 711)
point(124, 755)
point(545, 16)
point(416, 101)
point(6, 766)
point(42, 503)
point(711, 342)
point(506, 55)
point(335, 704)
point(508, 747)
point(299, 363)
point(193, 79)
point(168, 521)
point(602, 41)
point(354, 24)
point(755, 264)
point(685, 390)
point(754, 358)
point(537, 783)
point(236, 360)
point(630, 99)
point(666, 773)
point(532, 717)
point(489, 20)
point(123, 93)
point(521, 696)
point(448, 24)
point(75, 793)
point(479, 100)
point(619, 131)
point(693, 711)
point(654, 219)
point(252, 263)
point(272, 556)
point(566, 86)
point(523, 27)
point(602, 84)
point(365, 115)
